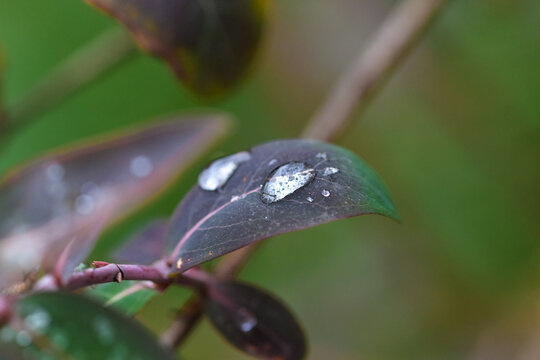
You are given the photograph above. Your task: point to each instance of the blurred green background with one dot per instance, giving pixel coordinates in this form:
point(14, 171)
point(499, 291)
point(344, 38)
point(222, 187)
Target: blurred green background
point(455, 134)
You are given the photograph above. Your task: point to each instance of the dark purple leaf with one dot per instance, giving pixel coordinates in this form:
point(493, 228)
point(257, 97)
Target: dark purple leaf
point(209, 44)
point(254, 321)
point(312, 183)
point(61, 325)
point(145, 246)
point(62, 197)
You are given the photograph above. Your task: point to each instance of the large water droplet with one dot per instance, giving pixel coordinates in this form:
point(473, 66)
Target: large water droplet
point(141, 166)
point(245, 320)
point(221, 170)
point(330, 171)
point(38, 321)
point(285, 180)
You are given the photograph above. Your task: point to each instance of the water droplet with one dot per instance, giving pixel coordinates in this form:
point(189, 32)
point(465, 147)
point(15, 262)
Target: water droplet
point(38, 321)
point(104, 330)
point(84, 204)
point(245, 320)
point(141, 166)
point(309, 198)
point(59, 339)
point(325, 193)
point(285, 180)
point(23, 339)
point(330, 171)
point(55, 172)
point(221, 170)
point(321, 155)
point(272, 162)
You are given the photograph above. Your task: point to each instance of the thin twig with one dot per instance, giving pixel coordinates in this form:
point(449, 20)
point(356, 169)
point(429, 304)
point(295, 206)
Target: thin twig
point(80, 69)
point(373, 66)
point(397, 34)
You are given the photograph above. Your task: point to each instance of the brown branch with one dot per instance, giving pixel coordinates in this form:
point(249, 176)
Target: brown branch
point(397, 34)
point(80, 69)
point(386, 50)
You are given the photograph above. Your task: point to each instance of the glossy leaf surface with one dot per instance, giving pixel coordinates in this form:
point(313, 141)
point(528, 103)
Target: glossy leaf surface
point(254, 321)
point(325, 182)
point(145, 246)
point(52, 201)
point(67, 326)
point(209, 44)
point(127, 296)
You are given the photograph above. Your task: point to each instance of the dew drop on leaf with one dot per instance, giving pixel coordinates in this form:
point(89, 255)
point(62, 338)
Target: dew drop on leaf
point(321, 155)
point(309, 198)
point(330, 171)
point(325, 193)
point(285, 180)
point(220, 171)
point(38, 321)
point(245, 320)
point(84, 204)
point(141, 166)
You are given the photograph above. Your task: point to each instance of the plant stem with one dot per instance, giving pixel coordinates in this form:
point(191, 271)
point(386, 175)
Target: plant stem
point(373, 66)
point(399, 32)
point(78, 70)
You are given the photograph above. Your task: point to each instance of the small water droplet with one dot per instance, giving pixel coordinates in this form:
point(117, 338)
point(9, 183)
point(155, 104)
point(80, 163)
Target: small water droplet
point(104, 330)
point(55, 172)
point(321, 155)
point(285, 180)
point(245, 320)
point(23, 338)
point(272, 162)
point(220, 171)
point(84, 204)
point(141, 166)
point(59, 339)
point(330, 171)
point(325, 193)
point(309, 198)
point(38, 321)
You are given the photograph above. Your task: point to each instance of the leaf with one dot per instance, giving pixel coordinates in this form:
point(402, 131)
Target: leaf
point(67, 326)
point(338, 184)
point(145, 246)
point(254, 321)
point(52, 201)
point(209, 44)
point(127, 296)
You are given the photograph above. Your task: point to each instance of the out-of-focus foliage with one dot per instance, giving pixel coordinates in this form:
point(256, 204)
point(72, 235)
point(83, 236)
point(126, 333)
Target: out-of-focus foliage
point(208, 44)
point(455, 135)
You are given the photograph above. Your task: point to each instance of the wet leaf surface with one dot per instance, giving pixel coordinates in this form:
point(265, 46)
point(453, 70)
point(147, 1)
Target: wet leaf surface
point(209, 44)
point(67, 326)
point(66, 196)
point(285, 186)
point(146, 246)
point(127, 296)
point(254, 321)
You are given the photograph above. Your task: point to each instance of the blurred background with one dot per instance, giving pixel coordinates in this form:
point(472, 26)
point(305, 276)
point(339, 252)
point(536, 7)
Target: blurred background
point(455, 134)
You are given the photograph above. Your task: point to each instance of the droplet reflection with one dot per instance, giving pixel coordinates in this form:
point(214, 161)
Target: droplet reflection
point(220, 171)
point(285, 180)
